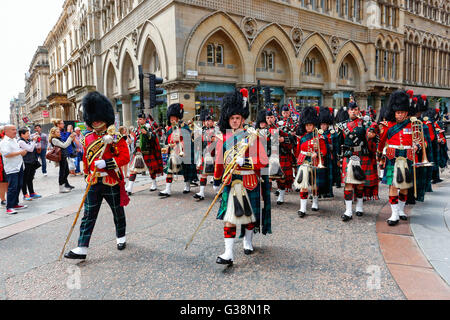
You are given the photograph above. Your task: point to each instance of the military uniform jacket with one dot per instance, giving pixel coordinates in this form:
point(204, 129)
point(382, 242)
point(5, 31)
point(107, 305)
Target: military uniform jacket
point(116, 156)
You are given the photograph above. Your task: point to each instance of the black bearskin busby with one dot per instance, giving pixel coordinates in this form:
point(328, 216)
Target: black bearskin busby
point(176, 110)
point(342, 115)
point(285, 108)
point(97, 107)
point(325, 116)
point(261, 117)
point(422, 104)
point(431, 114)
point(203, 115)
point(232, 104)
point(309, 115)
point(398, 101)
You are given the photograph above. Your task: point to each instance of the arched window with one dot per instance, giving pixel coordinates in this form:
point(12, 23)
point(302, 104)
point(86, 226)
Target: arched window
point(219, 54)
point(271, 62)
point(210, 53)
point(264, 60)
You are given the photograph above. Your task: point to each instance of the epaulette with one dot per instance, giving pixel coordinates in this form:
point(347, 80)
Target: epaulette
point(83, 138)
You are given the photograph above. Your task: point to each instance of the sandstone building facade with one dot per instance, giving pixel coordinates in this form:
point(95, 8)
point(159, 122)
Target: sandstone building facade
point(308, 51)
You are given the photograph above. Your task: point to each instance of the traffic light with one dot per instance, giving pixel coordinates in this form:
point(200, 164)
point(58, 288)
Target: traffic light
point(253, 95)
point(155, 91)
point(267, 96)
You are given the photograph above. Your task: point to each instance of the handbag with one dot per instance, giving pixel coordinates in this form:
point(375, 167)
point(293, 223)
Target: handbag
point(54, 154)
point(36, 165)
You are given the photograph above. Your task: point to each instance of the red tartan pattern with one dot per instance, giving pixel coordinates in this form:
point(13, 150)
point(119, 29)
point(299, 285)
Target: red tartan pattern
point(286, 167)
point(369, 166)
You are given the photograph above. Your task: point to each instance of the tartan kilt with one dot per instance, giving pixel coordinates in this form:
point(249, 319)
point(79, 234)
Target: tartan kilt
point(154, 163)
point(371, 183)
point(326, 190)
point(254, 196)
point(286, 166)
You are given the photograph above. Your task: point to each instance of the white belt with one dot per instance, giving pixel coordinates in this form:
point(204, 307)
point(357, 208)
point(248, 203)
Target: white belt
point(244, 172)
point(308, 154)
point(399, 147)
point(104, 174)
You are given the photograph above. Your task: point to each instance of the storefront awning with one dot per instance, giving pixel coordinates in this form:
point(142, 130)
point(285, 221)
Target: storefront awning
point(309, 93)
point(215, 87)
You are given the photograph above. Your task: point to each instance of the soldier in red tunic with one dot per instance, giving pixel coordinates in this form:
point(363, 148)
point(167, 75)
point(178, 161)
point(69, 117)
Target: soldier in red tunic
point(397, 138)
point(108, 182)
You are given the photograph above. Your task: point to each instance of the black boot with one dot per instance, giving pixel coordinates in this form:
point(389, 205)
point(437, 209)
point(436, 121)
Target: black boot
point(74, 256)
point(222, 261)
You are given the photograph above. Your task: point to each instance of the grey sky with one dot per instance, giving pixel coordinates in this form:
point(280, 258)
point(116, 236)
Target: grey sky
point(24, 25)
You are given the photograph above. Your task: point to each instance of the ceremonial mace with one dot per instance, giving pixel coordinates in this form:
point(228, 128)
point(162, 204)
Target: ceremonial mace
point(227, 174)
point(106, 140)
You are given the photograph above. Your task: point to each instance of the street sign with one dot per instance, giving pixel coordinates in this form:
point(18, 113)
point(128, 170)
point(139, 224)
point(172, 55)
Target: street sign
point(192, 73)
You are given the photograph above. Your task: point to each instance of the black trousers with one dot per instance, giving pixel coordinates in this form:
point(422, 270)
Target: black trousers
point(63, 171)
point(28, 177)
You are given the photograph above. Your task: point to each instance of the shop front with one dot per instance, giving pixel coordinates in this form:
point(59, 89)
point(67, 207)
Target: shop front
point(209, 95)
point(309, 98)
point(341, 99)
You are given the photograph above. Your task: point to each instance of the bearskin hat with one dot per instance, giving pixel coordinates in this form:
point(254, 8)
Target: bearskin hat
point(261, 117)
point(232, 104)
point(325, 116)
point(431, 114)
point(398, 101)
point(342, 115)
point(176, 110)
point(308, 115)
point(97, 107)
point(203, 114)
point(142, 115)
point(422, 104)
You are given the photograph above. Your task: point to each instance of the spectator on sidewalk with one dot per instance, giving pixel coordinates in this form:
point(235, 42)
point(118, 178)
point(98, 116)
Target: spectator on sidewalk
point(79, 150)
point(31, 163)
point(65, 134)
point(72, 153)
point(13, 165)
point(42, 148)
point(3, 181)
point(56, 141)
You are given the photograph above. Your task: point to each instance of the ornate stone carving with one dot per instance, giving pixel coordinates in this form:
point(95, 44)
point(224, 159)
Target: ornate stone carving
point(115, 49)
point(250, 27)
point(134, 40)
point(334, 45)
point(297, 36)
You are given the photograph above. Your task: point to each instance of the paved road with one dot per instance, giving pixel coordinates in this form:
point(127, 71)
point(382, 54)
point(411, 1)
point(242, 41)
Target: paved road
point(319, 257)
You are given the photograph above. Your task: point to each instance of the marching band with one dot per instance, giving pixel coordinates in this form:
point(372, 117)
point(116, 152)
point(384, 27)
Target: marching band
point(310, 152)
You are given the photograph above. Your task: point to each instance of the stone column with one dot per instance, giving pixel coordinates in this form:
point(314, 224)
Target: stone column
point(361, 100)
point(126, 110)
point(328, 98)
point(377, 101)
point(182, 92)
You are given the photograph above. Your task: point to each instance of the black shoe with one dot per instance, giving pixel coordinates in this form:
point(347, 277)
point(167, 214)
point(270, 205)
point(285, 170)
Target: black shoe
point(279, 203)
point(346, 218)
point(69, 186)
point(153, 190)
point(248, 252)
point(314, 209)
point(194, 184)
point(74, 256)
point(121, 246)
point(392, 223)
point(301, 214)
point(129, 193)
point(198, 197)
point(359, 213)
point(222, 261)
point(165, 195)
point(186, 192)
point(404, 218)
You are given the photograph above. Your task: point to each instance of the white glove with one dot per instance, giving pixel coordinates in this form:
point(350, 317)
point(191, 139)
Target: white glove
point(107, 139)
point(100, 164)
point(147, 125)
point(240, 161)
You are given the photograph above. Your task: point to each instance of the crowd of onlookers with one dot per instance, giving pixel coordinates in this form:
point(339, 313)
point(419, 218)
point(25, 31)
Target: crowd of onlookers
point(22, 153)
